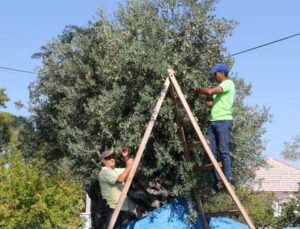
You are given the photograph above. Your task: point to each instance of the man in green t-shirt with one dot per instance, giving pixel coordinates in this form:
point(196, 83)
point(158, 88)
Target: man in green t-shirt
point(220, 120)
point(112, 181)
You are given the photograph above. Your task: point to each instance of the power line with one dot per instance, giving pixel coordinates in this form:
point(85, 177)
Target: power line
point(260, 46)
point(235, 54)
point(18, 70)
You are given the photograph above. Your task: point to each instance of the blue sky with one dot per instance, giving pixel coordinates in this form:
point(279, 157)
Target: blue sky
point(272, 70)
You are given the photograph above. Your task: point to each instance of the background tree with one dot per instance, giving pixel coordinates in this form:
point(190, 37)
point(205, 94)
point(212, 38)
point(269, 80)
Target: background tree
point(30, 197)
point(98, 84)
point(291, 209)
point(292, 149)
point(7, 124)
point(3, 98)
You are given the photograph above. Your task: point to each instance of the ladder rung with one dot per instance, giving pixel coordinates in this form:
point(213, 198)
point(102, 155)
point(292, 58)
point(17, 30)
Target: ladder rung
point(207, 167)
point(234, 212)
point(185, 122)
point(205, 192)
point(191, 145)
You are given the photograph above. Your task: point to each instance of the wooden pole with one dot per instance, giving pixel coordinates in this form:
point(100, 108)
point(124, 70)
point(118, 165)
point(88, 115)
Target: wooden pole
point(207, 149)
point(139, 154)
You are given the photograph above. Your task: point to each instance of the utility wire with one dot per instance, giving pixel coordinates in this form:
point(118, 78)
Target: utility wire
point(260, 46)
point(235, 54)
point(18, 70)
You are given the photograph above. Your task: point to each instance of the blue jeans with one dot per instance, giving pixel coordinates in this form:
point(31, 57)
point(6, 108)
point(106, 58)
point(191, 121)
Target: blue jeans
point(219, 133)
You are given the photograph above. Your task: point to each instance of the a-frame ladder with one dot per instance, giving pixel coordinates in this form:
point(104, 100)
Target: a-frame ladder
point(171, 79)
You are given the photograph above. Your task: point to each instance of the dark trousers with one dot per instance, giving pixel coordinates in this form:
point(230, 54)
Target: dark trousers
point(219, 133)
point(108, 214)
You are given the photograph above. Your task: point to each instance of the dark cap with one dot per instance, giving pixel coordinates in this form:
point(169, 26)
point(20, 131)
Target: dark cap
point(218, 68)
point(106, 153)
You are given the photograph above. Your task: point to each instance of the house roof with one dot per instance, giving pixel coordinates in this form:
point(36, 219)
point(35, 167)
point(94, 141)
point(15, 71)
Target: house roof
point(277, 176)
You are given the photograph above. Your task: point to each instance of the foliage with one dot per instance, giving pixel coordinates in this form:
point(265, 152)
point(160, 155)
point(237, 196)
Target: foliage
point(15, 132)
point(98, 84)
point(3, 98)
point(247, 142)
point(259, 206)
point(292, 149)
point(290, 216)
point(19, 105)
point(7, 129)
point(31, 199)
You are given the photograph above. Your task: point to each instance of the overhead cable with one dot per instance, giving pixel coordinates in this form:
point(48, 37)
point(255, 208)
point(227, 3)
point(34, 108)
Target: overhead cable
point(235, 54)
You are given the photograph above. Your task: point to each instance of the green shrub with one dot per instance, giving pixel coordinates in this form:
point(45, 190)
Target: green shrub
point(258, 205)
point(31, 199)
point(290, 215)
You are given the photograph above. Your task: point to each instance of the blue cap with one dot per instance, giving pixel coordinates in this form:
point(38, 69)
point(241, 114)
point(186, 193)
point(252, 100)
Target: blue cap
point(219, 67)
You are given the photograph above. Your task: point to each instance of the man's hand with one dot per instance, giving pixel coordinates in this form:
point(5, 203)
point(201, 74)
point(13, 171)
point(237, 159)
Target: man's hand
point(125, 153)
point(129, 163)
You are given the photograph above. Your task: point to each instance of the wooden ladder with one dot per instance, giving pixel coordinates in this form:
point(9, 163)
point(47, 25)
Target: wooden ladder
point(175, 89)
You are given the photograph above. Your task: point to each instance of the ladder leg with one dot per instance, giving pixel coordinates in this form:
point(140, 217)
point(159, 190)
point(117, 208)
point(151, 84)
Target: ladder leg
point(139, 154)
point(200, 206)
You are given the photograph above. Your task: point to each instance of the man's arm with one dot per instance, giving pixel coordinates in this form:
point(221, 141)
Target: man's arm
point(129, 162)
point(210, 91)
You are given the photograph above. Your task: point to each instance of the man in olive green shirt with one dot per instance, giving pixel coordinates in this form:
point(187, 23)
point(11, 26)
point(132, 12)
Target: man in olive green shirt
point(220, 120)
point(112, 181)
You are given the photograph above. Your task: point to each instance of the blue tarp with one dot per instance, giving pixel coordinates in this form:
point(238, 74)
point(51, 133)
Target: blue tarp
point(175, 214)
point(225, 223)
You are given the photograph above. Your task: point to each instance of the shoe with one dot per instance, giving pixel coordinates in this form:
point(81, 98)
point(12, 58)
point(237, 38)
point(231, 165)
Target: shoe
point(219, 186)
